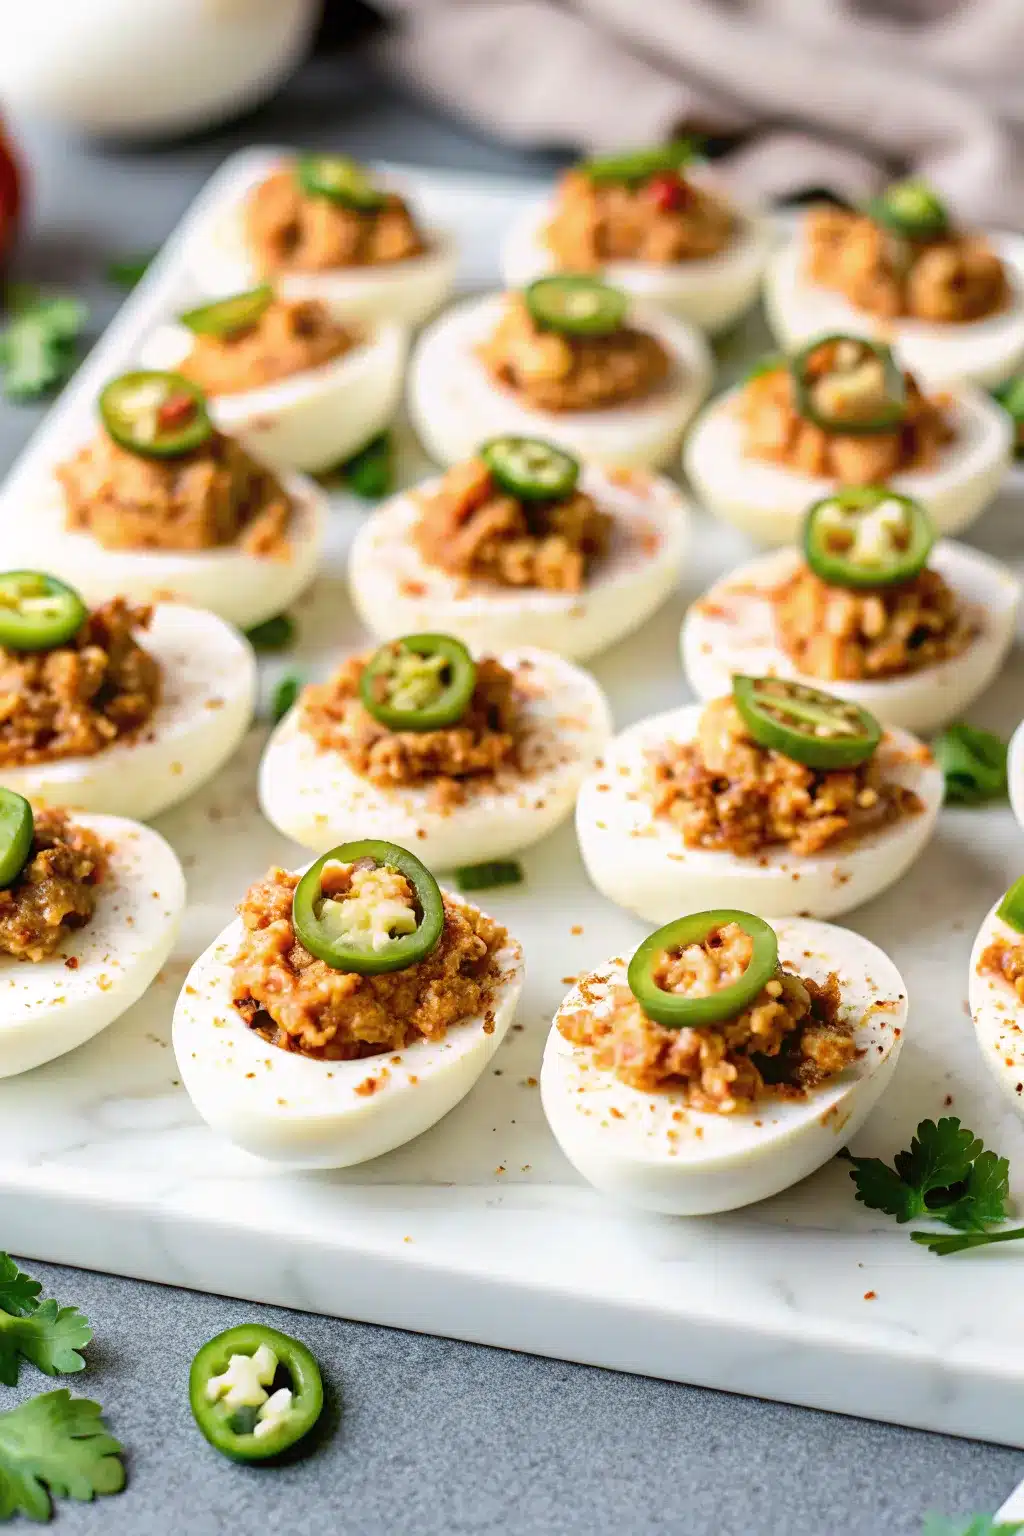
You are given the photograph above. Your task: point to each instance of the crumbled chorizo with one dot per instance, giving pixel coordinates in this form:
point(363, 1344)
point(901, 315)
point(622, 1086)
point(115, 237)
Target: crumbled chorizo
point(666, 219)
point(55, 893)
point(290, 231)
point(289, 337)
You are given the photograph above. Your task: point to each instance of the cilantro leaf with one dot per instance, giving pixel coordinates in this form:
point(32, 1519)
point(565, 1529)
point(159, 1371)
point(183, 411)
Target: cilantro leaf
point(979, 1525)
point(285, 694)
point(39, 346)
point(986, 1191)
point(55, 1442)
point(126, 271)
point(50, 1338)
point(946, 1174)
point(19, 1294)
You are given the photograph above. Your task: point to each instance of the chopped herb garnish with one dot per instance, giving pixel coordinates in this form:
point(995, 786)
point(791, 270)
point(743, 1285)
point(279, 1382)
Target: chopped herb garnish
point(973, 762)
point(970, 1525)
point(371, 472)
point(274, 634)
point(59, 1443)
point(482, 877)
point(126, 271)
point(285, 694)
point(38, 348)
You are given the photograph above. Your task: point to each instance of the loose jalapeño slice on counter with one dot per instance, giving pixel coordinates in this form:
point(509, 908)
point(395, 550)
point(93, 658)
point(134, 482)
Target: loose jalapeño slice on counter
point(911, 209)
point(254, 1392)
point(867, 536)
point(637, 166)
point(849, 385)
point(341, 179)
point(418, 683)
point(226, 317)
point(681, 1010)
point(368, 938)
point(38, 612)
point(1011, 908)
point(157, 415)
point(530, 468)
point(805, 724)
point(17, 826)
point(576, 304)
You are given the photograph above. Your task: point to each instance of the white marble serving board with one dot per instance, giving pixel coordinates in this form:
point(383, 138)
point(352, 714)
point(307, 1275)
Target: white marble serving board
point(480, 1229)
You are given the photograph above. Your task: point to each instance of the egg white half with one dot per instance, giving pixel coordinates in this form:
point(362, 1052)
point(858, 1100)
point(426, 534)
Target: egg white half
point(983, 351)
point(732, 629)
point(396, 593)
point(50, 1007)
point(455, 405)
point(314, 419)
point(314, 797)
point(209, 688)
point(639, 860)
point(649, 1150)
point(291, 1109)
point(242, 588)
point(769, 502)
point(997, 1013)
point(710, 292)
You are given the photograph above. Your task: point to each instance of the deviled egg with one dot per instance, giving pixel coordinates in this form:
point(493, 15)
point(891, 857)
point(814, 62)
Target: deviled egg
point(778, 797)
point(870, 608)
point(951, 300)
point(652, 229)
point(996, 992)
point(568, 358)
point(521, 541)
point(123, 708)
point(323, 227)
point(162, 505)
point(345, 1010)
point(843, 412)
point(287, 378)
point(465, 759)
point(726, 1061)
point(89, 910)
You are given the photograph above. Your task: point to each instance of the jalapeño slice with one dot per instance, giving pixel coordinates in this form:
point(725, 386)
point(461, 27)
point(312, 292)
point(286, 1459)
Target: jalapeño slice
point(38, 612)
point(157, 415)
point(352, 941)
point(1011, 908)
point(863, 391)
point(254, 1392)
point(530, 468)
point(911, 209)
point(677, 1011)
point(634, 167)
point(17, 826)
point(576, 304)
point(418, 683)
point(226, 317)
point(867, 536)
point(805, 724)
point(341, 179)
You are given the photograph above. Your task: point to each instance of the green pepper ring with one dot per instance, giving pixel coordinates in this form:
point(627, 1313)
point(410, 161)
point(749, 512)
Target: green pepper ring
point(38, 632)
point(819, 752)
point(896, 389)
point(922, 215)
point(339, 179)
point(837, 570)
point(17, 829)
point(197, 432)
point(1011, 908)
point(226, 316)
point(456, 694)
point(520, 463)
point(401, 952)
point(549, 301)
point(677, 1012)
point(214, 1420)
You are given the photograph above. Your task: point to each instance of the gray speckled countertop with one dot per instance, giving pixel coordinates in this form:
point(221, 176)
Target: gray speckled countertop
point(427, 1437)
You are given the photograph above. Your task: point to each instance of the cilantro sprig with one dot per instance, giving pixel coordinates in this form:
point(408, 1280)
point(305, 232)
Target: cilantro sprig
point(39, 346)
point(55, 1446)
point(44, 1333)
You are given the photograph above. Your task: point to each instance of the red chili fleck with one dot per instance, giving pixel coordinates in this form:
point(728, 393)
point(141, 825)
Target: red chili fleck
point(668, 191)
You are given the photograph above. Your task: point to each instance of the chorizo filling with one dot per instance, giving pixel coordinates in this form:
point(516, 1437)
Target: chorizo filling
point(951, 279)
point(301, 1004)
point(788, 1040)
point(664, 219)
point(486, 741)
point(726, 793)
point(213, 496)
point(553, 371)
point(471, 527)
point(290, 231)
point(835, 633)
point(55, 893)
point(1006, 960)
point(79, 698)
point(289, 337)
point(774, 429)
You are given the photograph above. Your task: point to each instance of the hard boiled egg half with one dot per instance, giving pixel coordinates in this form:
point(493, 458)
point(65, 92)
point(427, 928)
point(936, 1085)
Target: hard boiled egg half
point(293, 1108)
point(563, 723)
point(997, 960)
point(455, 404)
point(639, 859)
point(396, 592)
point(102, 968)
point(654, 1151)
